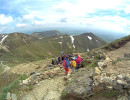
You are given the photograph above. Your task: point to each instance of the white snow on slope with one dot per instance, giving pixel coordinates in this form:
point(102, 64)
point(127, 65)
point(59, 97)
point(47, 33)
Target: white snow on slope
point(90, 38)
point(72, 39)
point(3, 38)
point(97, 40)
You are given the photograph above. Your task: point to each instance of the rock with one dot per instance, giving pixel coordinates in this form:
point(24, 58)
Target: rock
point(109, 87)
point(33, 77)
point(29, 97)
point(32, 73)
point(14, 97)
point(121, 82)
point(107, 59)
point(122, 98)
point(120, 76)
point(8, 97)
point(102, 65)
point(25, 82)
point(97, 71)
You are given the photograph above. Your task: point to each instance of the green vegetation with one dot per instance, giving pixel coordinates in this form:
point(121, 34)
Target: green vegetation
point(63, 94)
point(12, 87)
point(116, 61)
point(110, 94)
point(1, 70)
point(117, 43)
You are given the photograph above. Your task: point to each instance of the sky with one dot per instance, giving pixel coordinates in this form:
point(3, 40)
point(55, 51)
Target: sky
point(37, 15)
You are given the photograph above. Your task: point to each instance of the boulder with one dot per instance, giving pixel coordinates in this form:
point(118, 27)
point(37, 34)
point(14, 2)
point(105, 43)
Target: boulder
point(97, 71)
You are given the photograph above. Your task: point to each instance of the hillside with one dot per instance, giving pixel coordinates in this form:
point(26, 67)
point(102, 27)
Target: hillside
point(19, 47)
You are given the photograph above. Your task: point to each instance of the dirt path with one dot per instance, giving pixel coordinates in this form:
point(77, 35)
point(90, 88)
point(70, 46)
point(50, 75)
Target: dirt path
point(49, 89)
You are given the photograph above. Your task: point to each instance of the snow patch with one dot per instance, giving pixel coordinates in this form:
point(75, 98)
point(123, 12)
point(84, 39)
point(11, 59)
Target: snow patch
point(97, 40)
point(90, 38)
point(3, 38)
point(61, 37)
point(72, 39)
point(88, 50)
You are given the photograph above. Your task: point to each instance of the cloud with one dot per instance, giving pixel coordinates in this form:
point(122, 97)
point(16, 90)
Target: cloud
point(30, 15)
point(5, 19)
point(127, 9)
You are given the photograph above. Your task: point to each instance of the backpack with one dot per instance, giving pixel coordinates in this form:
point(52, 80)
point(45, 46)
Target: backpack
point(74, 63)
point(64, 63)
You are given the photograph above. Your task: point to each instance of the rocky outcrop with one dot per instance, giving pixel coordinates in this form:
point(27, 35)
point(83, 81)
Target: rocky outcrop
point(35, 77)
point(104, 78)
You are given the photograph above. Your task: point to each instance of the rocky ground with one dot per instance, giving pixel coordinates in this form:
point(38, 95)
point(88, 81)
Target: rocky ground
point(110, 80)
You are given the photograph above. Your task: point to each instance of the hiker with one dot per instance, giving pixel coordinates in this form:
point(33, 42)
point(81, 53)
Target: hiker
point(66, 65)
point(56, 61)
point(52, 62)
point(78, 61)
point(59, 60)
point(73, 65)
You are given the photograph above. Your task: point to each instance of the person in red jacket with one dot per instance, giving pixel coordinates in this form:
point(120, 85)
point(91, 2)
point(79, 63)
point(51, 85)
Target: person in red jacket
point(66, 65)
point(78, 61)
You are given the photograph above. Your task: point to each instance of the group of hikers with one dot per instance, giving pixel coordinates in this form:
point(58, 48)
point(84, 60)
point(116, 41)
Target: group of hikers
point(69, 61)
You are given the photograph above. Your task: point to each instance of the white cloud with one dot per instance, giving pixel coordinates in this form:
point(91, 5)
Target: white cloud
point(127, 9)
point(5, 19)
point(21, 25)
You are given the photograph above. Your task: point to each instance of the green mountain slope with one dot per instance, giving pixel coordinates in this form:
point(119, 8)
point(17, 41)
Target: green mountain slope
point(19, 47)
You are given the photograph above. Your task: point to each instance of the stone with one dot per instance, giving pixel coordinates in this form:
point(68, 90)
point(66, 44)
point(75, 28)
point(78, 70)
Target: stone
point(120, 76)
point(109, 87)
point(14, 97)
point(102, 64)
point(8, 97)
point(121, 82)
point(122, 98)
point(97, 71)
point(33, 77)
point(25, 82)
point(32, 73)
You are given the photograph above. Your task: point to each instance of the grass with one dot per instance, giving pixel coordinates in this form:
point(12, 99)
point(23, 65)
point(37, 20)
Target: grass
point(117, 43)
point(63, 94)
point(1, 70)
point(110, 94)
point(116, 61)
point(12, 87)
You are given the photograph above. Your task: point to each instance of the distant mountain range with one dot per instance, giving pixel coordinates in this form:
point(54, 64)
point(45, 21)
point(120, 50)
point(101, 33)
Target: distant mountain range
point(20, 47)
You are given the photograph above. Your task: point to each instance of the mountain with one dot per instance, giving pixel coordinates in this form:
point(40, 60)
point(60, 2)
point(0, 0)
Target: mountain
point(47, 33)
point(19, 47)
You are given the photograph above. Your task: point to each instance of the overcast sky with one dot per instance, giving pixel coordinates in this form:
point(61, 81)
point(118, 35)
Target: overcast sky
point(27, 15)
